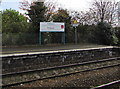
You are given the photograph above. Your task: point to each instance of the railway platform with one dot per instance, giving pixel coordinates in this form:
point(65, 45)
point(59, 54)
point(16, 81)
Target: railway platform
point(46, 48)
point(30, 60)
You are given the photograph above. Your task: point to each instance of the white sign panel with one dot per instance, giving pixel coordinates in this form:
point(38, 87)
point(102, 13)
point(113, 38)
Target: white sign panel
point(52, 27)
point(75, 25)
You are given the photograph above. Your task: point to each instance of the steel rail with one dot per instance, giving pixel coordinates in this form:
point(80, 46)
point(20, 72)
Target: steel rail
point(107, 84)
point(54, 76)
point(63, 66)
point(65, 74)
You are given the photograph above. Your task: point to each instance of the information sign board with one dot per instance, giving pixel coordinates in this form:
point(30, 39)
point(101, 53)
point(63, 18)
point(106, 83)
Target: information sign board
point(52, 27)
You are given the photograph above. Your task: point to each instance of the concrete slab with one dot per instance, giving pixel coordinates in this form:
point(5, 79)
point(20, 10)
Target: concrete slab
point(23, 50)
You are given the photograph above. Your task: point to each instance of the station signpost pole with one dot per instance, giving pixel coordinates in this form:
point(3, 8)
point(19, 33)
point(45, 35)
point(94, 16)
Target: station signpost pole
point(75, 24)
point(75, 35)
point(64, 39)
point(40, 38)
point(119, 14)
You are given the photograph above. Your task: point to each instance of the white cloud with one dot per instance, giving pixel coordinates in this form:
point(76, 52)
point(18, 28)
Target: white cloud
point(75, 4)
point(10, 0)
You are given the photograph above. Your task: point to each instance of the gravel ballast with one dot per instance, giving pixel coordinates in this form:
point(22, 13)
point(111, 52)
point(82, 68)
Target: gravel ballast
point(85, 79)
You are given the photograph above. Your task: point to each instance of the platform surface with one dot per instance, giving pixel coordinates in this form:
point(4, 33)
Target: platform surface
point(46, 48)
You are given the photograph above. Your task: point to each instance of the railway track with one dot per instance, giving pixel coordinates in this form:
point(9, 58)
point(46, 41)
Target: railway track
point(113, 85)
point(16, 78)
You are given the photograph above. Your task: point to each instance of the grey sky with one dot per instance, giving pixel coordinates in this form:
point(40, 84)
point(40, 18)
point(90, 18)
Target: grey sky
point(72, 4)
point(80, 5)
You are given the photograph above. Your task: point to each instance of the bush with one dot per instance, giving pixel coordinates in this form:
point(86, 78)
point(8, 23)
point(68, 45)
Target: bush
point(118, 34)
point(17, 39)
point(105, 34)
point(85, 33)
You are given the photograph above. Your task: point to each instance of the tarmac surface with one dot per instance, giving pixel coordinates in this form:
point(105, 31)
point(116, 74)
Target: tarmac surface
point(46, 48)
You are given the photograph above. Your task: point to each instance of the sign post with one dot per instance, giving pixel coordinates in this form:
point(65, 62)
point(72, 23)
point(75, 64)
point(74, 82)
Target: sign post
point(118, 14)
point(51, 27)
point(75, 24)
point(75, 35)
point(40, 38)
point(64, 38)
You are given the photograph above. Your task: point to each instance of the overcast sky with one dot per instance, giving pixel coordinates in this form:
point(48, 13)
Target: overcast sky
point(80, 5)
point(76, 4)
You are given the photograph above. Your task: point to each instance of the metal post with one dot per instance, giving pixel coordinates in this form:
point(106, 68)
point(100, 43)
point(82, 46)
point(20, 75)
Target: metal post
point(75, 35)
point(64, 38)
point(40, 38)
point(118, 14)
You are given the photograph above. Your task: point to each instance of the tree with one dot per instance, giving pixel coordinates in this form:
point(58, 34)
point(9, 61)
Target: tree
point(14, 25)
point(117, 29)
point(104, 11)
point(36, 13)
point(51, 9)
point(101, 11)
point(40, 12)
point(0, 22)
point(13, 21)
point(63, 16)
point(105, 34)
